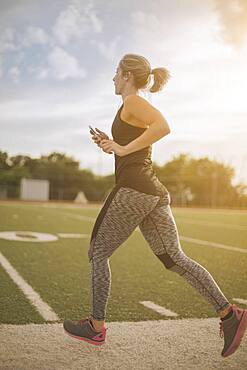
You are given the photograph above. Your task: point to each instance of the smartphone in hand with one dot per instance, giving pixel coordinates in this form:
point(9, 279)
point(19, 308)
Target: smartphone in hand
point(92, 131)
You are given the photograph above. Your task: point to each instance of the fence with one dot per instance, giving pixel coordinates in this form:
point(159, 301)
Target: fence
point(181, 194)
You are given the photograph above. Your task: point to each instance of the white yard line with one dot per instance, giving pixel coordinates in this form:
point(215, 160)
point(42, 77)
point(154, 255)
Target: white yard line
point(203, 223)
point(212, 244)
point(160, 309)
point(71, 236)
point(79, 217)
point(35, 299)
point(208, 243)
point(214, 224)
point(185, 238)
point(22, 204)
point(240, 300)
point(236, 227)
point(227, 211)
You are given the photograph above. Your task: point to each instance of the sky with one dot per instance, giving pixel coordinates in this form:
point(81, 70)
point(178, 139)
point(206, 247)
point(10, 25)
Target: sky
point(58, 59)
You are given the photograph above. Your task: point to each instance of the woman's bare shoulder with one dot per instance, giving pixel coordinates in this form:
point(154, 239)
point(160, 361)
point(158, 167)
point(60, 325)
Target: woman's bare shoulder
point(134, 100)
point(138, 107)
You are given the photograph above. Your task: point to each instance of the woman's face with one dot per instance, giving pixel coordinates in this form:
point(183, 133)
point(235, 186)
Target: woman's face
point(119, 81)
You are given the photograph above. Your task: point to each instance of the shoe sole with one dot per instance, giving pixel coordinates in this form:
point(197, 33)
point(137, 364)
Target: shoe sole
point(85, 339)
point(238, 336)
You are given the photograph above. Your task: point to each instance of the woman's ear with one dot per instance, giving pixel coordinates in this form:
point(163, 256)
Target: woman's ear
point(126, 75)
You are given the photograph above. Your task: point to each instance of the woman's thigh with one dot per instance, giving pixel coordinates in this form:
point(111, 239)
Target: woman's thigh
point(160, 230)
point(122, 212)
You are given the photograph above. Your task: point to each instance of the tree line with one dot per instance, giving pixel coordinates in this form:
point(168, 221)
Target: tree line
point(190, 181)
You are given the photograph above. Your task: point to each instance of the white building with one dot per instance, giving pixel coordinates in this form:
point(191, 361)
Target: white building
point(34, 189)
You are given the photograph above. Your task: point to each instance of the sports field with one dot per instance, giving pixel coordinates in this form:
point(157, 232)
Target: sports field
point(58, 269)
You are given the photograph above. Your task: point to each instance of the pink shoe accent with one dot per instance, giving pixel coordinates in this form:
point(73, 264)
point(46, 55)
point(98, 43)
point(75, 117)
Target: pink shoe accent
point(86, 339)
point(238, 313)
point(242, 317)
point(99, 336)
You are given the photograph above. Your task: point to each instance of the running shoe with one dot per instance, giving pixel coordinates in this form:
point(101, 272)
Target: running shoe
point(84, 330)
point(233, 329)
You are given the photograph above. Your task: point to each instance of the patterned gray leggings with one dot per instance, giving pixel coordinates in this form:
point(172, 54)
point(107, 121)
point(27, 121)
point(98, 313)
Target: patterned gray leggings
point(123, 210)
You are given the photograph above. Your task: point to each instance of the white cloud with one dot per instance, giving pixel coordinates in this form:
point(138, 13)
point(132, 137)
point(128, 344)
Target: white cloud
point(96, 23)
point(64, 65)
point(7, 39)
point(35, 109)
point(233, 21)
point(75, 21)
point(1, 68)
point(109, 51)
point(34, 35)
point(14, 72)
point(176, 40)
point(39, 72)
point(43, 73)
point(148, 31)
point(6, 43)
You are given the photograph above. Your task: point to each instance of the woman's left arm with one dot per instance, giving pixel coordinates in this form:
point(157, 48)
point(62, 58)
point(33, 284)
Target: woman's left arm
point(143, 111)
point(155, 132)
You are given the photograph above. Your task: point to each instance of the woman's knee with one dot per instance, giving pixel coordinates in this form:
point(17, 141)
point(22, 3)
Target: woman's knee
point(171, 262)
point(98, 252)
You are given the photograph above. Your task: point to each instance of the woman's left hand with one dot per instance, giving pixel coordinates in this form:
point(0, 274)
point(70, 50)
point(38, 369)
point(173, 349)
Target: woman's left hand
point(112, 146)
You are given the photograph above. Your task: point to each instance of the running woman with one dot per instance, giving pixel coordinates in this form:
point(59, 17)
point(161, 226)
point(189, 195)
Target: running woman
point(140, 199)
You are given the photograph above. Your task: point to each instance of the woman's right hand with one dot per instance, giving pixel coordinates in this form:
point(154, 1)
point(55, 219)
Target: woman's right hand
point(100, 136)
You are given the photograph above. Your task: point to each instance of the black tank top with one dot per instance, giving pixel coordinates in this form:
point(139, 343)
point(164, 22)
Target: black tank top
point(134, 170)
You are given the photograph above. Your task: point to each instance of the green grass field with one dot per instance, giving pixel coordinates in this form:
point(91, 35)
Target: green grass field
point(59, 270)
